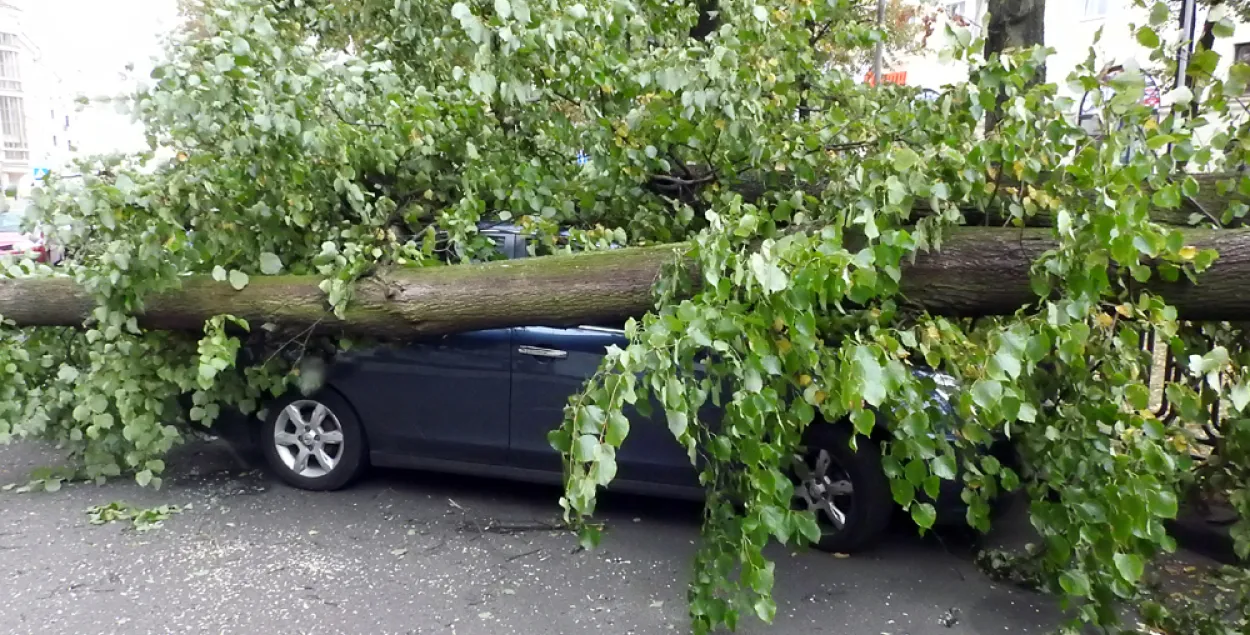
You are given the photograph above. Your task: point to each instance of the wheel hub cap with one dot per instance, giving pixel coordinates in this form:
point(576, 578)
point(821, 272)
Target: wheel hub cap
point(820, 487)
point(308, 438)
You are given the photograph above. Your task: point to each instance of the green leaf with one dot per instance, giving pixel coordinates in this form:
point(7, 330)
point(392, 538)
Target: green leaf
point(1008, 361)
point(752, 382)
point(905, 159)
point(1159, 13)
point(585, 447)
point(144, 478)
point(1027, 412)
point(1163, 504)
point(219, 273)
point(808, 527)
point(986, 393)
point(944, 467)
point(503, 9)
point(765, 609)
point(618, 428)
point(589, 535)
point(1239, 395)
point(770, 277)
point(677, 423)
point(871, 376)
point(1138, 396)
point(1009, 479)
point(903, 492)
point(924, 515)
point(864, 421)
point(1074, 583)
point(1130, 565)
point(482, 83)
point(238, 279)
point(1147, 37)
point(223, 62)
point(1225, 27)
point(270, 264)
point(916, 472)
point(98, 403)
point(588, 419)
point(775, 521)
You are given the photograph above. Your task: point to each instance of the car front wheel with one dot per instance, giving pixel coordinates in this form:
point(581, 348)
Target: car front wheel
point(314, 443)
point(846, 489)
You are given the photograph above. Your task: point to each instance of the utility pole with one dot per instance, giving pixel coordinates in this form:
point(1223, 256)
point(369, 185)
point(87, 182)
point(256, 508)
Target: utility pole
point(880, 49)
point(1189, 18)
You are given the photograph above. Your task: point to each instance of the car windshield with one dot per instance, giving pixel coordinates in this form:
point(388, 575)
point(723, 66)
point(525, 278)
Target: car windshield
point(10, 222)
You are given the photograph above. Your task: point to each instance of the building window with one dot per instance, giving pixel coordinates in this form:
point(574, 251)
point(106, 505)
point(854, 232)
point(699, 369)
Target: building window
point(10, 72)
point(1096, 8)
point(1241, 53)
point(8, 39)
point(13, 129)
point(955, 8)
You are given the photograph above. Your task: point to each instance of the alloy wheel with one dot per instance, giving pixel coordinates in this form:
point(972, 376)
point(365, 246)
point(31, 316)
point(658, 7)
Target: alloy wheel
point(308, 438)
point(823, 488)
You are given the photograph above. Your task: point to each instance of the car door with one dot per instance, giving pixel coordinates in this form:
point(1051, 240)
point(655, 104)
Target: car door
point(437, 400)
point(445, 398)
point(549, 365)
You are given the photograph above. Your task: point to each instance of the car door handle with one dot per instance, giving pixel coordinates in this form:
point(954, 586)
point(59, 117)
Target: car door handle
point(536, 351)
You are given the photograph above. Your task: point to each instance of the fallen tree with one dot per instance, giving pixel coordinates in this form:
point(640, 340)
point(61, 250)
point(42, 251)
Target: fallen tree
point(977, 272)
point(352, 139)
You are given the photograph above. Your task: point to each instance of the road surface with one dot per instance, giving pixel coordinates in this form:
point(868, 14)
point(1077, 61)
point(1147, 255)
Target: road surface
point(409, 553)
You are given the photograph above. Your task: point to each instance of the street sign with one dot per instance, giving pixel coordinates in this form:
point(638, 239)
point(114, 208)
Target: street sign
point(40, 173)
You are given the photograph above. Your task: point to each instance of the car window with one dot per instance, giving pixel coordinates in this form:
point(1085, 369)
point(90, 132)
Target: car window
point(501, 243)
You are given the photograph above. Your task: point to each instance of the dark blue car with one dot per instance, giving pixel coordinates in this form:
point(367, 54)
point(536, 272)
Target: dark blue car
point(482, 403)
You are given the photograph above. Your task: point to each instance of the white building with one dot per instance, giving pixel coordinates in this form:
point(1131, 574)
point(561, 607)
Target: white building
point(1070, 29)
point(36, 120)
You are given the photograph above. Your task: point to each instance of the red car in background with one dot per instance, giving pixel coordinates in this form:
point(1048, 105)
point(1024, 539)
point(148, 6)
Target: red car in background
point(18, 243)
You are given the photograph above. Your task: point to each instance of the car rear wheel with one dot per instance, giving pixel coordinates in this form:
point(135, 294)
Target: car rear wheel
point(846, 489)
point(314, 443)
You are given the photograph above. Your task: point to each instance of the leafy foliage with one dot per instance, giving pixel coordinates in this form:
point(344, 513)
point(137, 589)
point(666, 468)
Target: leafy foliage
point(141, 519)
point(330, 138)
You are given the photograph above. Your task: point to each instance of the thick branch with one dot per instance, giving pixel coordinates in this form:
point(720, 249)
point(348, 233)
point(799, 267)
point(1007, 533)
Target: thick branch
point(980, 271)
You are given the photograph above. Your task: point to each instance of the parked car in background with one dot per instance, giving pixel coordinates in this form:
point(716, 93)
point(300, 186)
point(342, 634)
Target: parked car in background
point(482, 403)
point(20, 241)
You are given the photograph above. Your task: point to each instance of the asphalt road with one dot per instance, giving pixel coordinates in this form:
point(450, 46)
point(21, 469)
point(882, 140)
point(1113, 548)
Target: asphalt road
point(424, 553)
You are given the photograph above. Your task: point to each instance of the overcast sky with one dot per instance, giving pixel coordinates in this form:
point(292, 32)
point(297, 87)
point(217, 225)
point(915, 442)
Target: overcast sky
point(87, 44)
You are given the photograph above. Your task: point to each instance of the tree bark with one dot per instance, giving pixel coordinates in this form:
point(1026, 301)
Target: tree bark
point(979, 271)
point(1013, 24)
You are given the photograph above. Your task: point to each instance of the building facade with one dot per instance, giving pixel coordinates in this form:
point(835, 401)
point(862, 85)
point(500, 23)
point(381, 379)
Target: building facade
point(1070, 29)
point(36, 120)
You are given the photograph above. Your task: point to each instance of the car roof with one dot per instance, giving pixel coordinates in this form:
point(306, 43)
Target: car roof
point(487, 227)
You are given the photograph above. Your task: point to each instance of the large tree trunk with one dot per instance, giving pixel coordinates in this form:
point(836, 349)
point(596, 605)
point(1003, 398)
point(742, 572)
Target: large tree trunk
point(979, 271)
point(1013, 24)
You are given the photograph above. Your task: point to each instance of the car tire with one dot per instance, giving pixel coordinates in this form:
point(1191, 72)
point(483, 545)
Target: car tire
point(314, 443)
point(829, 472)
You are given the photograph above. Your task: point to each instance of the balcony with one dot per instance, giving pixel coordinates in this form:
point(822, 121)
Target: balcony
point(15, 153)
